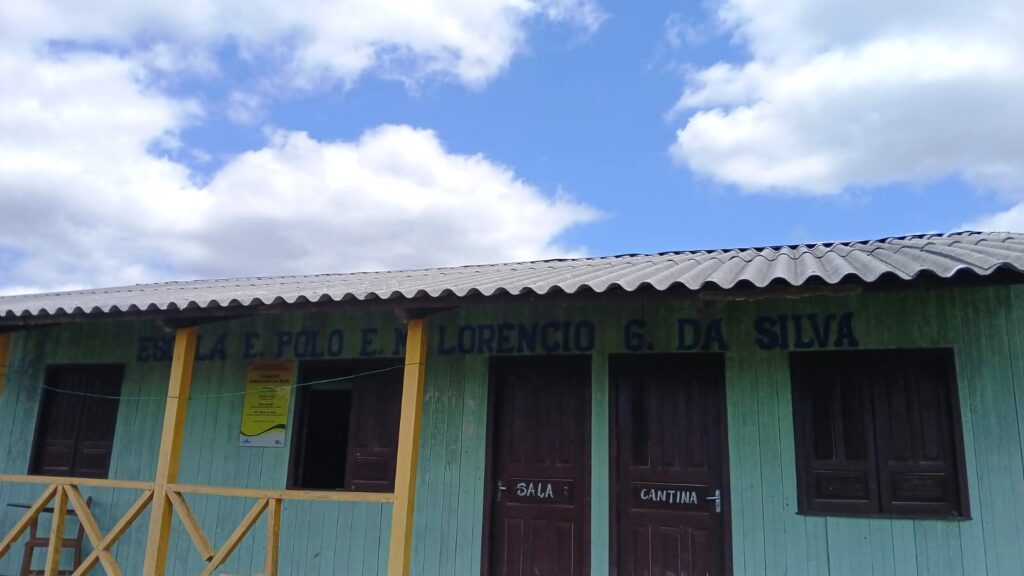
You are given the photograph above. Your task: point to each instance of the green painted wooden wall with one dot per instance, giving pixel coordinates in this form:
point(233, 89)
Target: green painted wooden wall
point(985, 326)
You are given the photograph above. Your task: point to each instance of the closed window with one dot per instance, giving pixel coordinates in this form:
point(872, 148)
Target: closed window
point(878, 434)
point(345, 435)
point(77, 416)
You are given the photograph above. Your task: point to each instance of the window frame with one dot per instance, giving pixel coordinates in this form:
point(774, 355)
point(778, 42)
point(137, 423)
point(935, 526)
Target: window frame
point(51, 372)
point(357, 365)
point(944, 364)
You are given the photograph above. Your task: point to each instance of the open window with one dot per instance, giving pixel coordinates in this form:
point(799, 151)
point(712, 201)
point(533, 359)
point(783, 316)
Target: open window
point(77, 416)
point(878, 434)
point(345, 431)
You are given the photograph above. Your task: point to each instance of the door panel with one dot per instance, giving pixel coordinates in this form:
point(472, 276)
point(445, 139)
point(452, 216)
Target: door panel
point(373, 438)
point(669, 486)
point(540, 467)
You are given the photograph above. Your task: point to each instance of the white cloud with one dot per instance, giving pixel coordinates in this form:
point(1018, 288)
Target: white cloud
point(1011, 220)
point(87, 199)
point(91, 192)
point(838, 95)
point(312, 41)
point(395, 198)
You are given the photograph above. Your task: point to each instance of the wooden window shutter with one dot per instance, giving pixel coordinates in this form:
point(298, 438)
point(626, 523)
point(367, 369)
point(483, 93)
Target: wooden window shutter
point(916, 444)
point(75, 433)
point(878, 434)
point(836, 442)
point(373, 436)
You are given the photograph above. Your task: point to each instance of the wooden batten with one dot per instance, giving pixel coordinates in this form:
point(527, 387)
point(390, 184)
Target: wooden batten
point(400, 551)
point(272, 555)
point(27, 519)
point(5, 349)
point(60, 512)
point(115, 533)
point(170, 450)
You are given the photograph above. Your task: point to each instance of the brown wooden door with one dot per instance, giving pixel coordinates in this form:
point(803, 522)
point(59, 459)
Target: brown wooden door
point(670, 494)
point(539, 521)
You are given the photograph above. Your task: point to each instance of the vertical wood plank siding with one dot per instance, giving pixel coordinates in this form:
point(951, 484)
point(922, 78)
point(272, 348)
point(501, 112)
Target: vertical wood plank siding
point(985, 326)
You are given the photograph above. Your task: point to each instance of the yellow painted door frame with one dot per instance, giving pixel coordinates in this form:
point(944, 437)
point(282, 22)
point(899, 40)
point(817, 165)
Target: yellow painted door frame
point(170, 450)
point(400, 550)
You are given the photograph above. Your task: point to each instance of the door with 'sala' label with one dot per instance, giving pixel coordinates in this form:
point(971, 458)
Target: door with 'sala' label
point(540, 461)
point(670, 493)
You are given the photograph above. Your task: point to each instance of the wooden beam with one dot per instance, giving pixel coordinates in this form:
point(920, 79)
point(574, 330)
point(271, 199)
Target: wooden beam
point(309, 495)
point(60, 513)
point(400, 549)
point(273, 538)
point(236, 537)
point(26, 520)
point(188, 520)
point(92, 530)
point(68, 480)
point(5, 350)
point(116, 532)
point(170, 450)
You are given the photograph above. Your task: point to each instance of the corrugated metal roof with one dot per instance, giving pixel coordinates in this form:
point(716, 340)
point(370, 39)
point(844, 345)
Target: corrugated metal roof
point(905, 257)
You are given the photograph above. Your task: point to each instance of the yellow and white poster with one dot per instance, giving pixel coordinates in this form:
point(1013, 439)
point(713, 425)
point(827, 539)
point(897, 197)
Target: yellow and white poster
point(268, 391)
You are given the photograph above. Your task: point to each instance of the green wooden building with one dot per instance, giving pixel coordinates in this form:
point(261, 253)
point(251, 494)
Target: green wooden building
point(841, 408)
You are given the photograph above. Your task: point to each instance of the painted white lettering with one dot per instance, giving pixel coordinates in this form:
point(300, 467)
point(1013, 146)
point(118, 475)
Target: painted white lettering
point(668, 496)
point(521, 489)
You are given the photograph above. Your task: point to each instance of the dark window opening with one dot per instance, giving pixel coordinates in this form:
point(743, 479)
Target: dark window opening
point(878, 434)
point(75, 433)
point(345, 434)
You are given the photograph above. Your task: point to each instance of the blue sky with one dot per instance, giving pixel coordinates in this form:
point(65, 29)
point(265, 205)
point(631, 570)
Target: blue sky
point(151, 144)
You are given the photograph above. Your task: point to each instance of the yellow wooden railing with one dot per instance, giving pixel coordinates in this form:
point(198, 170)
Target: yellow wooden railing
point(65, 491)
point(166, 497)
point(267, 501)
point(65, 495)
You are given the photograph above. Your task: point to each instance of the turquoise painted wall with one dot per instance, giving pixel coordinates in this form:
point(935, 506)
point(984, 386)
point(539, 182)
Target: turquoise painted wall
point(985, 326)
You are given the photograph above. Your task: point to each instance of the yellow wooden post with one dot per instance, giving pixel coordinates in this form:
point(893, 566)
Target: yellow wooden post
point(5, 349)
point(170, 451)
point(408, 448)
point(273, 539)
point(60, 511)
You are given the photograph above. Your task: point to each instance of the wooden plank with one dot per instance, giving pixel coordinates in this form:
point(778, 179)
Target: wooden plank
point(67, 481)
point(474, 442)
point(600, 464)
point(432, 489)
point(448, 524)
point(116, 532)
point(309, 495)
point(92, 530)
point(344, 541)
point(999, 455)
point(972, 534)
point(326, 536)
point(60, 512)
point(188, 520)
point(770, 452)
point(26, 520)
point(236, 537)
point(5, 349)
point(169, 456)
point(273, 546)
point(408, 449)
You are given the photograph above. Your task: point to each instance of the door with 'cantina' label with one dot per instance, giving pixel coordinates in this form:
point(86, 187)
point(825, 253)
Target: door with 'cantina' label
point(670, 495)
point(539, 469)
